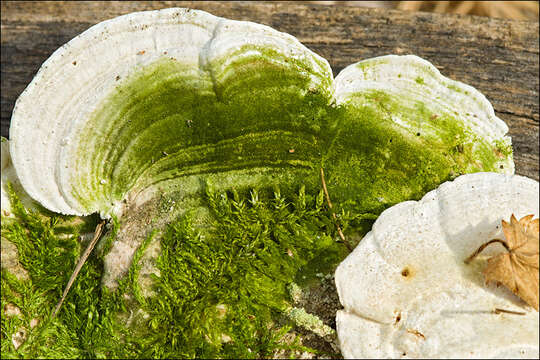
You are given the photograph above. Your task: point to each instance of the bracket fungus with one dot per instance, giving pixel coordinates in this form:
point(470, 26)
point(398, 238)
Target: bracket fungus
point(407, 291)
point(138, 116)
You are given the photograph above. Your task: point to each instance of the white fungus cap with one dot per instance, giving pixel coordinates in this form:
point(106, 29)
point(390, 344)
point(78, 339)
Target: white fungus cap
point(407, 292)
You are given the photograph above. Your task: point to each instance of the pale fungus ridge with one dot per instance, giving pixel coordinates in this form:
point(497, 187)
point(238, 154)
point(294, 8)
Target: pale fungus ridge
point(413, 93)
point(423, 300)
point(9, 178)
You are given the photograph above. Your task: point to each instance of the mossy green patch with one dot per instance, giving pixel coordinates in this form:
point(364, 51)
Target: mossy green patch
point(390, 149)
point(231, 282)
point(172, 119)
point(49, 251)
point(259, 113)
point(221, 292)
point(504, 148)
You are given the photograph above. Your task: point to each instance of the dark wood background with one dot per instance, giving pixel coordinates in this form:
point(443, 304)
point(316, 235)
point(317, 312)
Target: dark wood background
point(498, 57)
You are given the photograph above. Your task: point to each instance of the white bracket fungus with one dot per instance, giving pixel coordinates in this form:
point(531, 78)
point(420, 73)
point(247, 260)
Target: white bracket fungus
point(407, 292)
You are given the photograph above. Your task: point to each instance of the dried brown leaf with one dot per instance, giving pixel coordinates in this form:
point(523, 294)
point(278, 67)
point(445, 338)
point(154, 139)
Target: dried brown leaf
point(517, 269)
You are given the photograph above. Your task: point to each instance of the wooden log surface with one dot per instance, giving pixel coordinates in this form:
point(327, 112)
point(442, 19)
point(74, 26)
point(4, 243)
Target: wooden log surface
point(498, 57)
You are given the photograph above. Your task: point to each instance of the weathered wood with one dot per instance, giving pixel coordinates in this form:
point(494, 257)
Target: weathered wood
point(498, 57)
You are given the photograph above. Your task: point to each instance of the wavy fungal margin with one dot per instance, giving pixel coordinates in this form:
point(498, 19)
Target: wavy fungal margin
point(98, 61)
point(423, 300)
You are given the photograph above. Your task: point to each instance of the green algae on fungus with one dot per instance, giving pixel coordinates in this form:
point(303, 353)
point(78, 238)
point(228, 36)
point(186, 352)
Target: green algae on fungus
point(198, 133)
point(180, 100)
point(245, 140)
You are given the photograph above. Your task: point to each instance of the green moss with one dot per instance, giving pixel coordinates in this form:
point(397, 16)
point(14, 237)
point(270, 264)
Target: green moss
point(419, 80)
point(222, 290)
point(230, 281)
point(49, 253)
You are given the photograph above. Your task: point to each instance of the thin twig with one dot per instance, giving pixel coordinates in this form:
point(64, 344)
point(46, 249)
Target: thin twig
point(481, 248)
point(80, 264)
point(332, 210)
point(498, 311)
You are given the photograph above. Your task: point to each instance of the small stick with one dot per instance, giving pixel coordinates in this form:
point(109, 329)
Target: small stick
point(417, 333)
point(498, 311)
point(481, 248)
point(333, 213)
point(80, 264)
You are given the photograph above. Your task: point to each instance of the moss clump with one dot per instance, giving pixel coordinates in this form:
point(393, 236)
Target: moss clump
point(48, 251)
point(222, 290)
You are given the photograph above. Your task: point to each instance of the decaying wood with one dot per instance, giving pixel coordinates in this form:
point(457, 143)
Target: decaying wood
point(517, 10)
point(498, 57)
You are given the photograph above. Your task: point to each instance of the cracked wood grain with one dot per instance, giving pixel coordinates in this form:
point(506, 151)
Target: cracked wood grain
point(498, 57)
